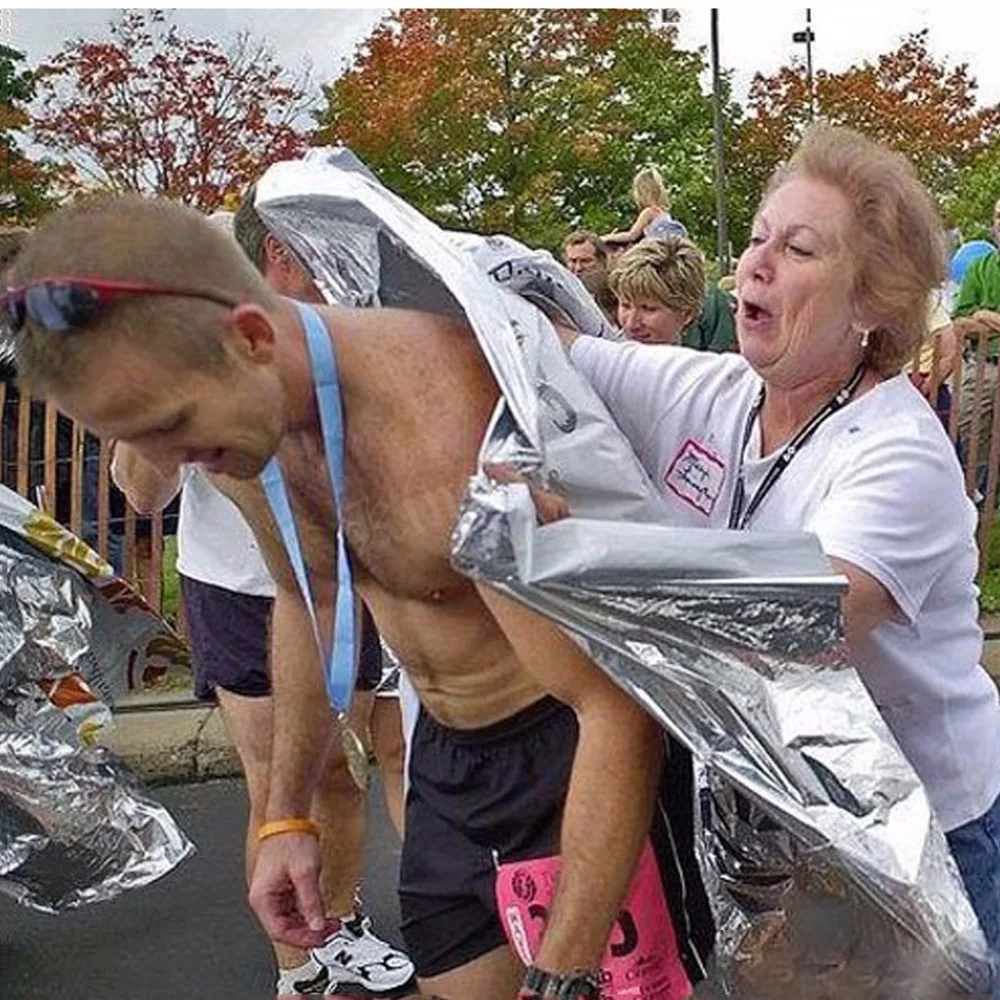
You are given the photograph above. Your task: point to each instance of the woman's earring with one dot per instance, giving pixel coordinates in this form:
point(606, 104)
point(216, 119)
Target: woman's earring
point(866, 334)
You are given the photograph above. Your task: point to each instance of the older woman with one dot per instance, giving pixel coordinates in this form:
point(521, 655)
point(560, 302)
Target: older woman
point(813, 428)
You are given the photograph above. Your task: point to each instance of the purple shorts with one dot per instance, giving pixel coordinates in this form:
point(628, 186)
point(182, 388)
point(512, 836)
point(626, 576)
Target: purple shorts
point(230, 645)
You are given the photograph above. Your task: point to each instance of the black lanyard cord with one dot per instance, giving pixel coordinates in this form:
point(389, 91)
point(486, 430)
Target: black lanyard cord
point(740, 518)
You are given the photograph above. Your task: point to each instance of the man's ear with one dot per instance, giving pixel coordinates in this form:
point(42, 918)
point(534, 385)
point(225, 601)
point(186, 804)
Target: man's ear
point(252, 334)
point(275, 253)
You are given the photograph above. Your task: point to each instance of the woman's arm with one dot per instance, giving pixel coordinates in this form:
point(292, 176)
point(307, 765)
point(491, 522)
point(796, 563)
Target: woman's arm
point(894, 520)
point(866, 605)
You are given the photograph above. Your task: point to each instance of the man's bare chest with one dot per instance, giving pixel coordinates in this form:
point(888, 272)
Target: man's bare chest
point(397, 519)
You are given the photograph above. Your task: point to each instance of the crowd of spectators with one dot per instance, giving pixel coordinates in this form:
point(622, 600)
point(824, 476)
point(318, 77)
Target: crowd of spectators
point(651, 281)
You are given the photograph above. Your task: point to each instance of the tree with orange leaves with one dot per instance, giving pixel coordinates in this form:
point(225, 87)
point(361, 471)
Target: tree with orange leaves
point(156, 111)
point(906, 99)
point(528, 122)
point(27, 185)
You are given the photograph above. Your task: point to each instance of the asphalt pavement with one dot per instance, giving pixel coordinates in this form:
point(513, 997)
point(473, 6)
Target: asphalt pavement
point(190, 934)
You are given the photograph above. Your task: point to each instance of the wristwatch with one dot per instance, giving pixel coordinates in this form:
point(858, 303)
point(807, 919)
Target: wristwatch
point(581, 984)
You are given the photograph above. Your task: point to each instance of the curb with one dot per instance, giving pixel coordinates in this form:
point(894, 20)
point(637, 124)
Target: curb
point(164, 744)
point(171, 738)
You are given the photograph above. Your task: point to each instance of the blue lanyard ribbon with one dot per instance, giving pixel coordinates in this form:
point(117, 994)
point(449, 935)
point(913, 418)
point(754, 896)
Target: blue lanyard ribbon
point(340, 662)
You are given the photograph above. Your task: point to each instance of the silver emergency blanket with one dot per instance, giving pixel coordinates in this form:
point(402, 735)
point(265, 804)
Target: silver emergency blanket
point(75, 825)
point(828, 875)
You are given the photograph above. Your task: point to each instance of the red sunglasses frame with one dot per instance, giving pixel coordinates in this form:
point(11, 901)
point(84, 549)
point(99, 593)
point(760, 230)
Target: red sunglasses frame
point(107, 290)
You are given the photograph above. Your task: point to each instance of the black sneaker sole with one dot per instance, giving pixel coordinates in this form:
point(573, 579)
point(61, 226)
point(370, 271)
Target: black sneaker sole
point(355, 992)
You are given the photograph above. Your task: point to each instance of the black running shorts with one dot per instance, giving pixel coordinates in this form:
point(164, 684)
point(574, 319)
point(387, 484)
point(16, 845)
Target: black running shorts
point(477, 799)
point(230, 646)
point(486, 797)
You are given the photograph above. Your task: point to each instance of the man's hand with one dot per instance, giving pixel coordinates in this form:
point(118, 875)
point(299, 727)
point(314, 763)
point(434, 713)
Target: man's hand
point(285, 892)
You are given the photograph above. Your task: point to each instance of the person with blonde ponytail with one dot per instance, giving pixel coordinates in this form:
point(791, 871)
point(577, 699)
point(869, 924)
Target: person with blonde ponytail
point(654, 218)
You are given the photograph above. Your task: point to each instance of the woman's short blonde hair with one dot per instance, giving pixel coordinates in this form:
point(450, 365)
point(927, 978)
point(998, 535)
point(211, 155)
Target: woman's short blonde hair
point(669, 270)
point(898, 246)
point(648, 189)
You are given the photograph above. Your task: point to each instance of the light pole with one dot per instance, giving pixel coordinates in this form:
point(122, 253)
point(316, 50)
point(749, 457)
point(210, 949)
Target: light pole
point(807, 38)
point(721, 211)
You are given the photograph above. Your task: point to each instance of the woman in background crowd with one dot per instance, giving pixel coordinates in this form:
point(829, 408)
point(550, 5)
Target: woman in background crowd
point(663, 299)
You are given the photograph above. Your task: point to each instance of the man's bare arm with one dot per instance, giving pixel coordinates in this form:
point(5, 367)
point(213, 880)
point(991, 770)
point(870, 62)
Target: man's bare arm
point(303, 727)
point(146, 487)
point(302, 716)
point(612, 789)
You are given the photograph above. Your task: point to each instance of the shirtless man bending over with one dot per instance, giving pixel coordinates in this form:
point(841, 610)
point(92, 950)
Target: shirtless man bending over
point(524, 747)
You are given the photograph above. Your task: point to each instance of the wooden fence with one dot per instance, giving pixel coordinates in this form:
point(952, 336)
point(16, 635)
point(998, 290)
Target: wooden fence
point(975, 376)
point(54, 463)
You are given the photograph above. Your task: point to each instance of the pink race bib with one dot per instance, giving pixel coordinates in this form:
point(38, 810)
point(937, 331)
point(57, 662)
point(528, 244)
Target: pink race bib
point(642, 961)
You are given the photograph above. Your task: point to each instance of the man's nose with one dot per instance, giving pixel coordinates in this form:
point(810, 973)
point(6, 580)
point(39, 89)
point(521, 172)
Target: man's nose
point(162, 458)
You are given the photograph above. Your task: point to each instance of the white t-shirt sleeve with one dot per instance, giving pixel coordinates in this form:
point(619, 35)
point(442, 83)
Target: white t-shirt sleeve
point(641, 384)
point(898, 511)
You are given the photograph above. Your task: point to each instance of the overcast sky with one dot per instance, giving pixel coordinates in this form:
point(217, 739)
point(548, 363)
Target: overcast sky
point(751, 38)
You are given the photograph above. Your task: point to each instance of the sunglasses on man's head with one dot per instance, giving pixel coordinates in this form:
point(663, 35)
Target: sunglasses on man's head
point(63, 304)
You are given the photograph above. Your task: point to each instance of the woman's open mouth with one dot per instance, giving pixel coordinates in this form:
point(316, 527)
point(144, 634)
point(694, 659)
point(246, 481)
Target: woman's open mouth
point(754, 316)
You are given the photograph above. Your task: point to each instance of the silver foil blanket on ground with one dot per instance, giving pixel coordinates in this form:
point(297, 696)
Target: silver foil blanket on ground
point(827, 873)
point(75, 825)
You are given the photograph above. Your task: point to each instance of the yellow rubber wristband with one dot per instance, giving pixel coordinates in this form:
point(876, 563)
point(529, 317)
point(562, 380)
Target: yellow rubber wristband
point(279, 826)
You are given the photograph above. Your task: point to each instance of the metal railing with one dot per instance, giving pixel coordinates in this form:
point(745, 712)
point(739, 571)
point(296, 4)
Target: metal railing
point(53, 462)
point(56, 464)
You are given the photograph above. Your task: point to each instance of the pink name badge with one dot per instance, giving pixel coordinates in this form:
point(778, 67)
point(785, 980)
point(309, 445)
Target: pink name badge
point(642, 961)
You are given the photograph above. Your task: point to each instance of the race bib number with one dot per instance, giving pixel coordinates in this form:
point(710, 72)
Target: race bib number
point(641, 962)
point(696, 476)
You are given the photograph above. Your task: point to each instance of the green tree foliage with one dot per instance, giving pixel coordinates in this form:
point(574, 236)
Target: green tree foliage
point(906, 99)
point(529, 122)
point(977, 191)
point(26, 185)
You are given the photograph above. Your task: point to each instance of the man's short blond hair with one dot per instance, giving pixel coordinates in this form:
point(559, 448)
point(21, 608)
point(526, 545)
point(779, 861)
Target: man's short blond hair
point(11, 241)
point(130, 238)
point(669, 269)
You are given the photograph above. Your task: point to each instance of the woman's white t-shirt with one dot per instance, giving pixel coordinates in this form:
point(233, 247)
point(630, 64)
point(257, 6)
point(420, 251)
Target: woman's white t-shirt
point(880, 485)
point(214, 543)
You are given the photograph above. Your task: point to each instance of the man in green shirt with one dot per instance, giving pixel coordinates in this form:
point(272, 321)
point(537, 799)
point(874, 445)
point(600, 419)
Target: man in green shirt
point(977, 309)
point(979, 296)
point(663, 299)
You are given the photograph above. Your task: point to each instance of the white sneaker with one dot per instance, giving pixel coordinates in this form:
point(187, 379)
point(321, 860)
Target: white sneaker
point(310, 979)
point(355, 956)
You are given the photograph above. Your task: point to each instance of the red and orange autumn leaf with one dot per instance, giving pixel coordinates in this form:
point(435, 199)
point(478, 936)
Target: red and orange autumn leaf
point(157, 111)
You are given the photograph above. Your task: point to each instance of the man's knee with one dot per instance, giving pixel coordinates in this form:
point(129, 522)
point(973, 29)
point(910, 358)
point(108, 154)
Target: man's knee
point(248, 722)
point(335, 781)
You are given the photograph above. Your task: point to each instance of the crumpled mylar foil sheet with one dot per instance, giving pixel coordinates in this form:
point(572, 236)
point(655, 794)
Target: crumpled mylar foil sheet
point(75, 825)
point(827, 873)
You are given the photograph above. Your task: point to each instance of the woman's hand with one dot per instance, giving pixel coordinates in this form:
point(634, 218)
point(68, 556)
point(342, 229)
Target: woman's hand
point(549, 506)
point(567, 334)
